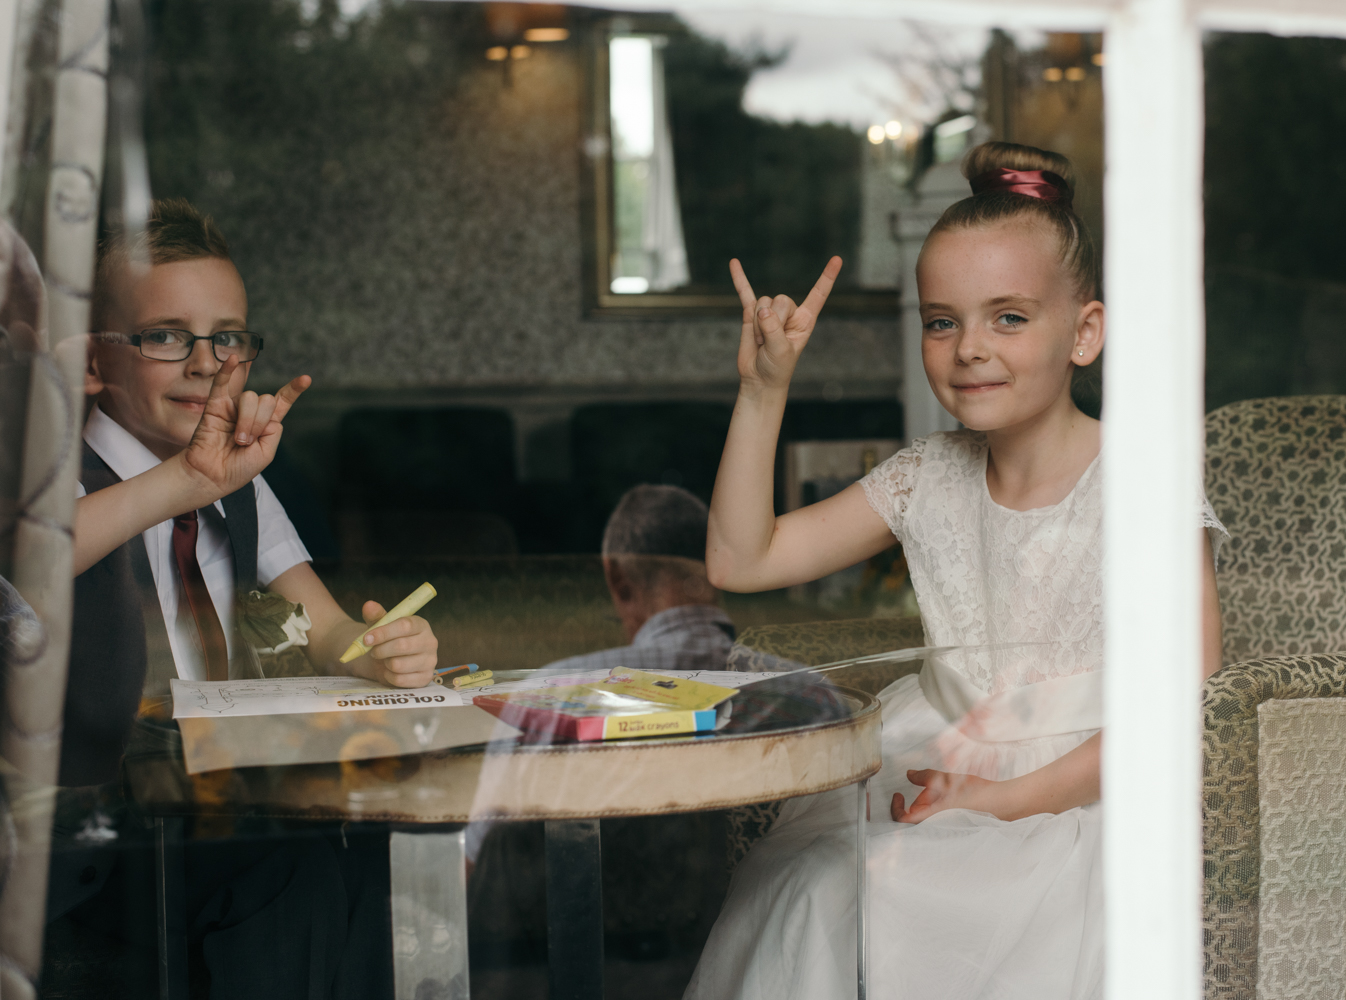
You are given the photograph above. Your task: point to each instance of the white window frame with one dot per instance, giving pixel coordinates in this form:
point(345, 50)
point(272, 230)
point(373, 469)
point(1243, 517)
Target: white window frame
point(1153, 438)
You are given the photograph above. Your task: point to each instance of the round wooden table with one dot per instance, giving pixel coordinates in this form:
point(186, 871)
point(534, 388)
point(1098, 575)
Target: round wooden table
point(571, 786)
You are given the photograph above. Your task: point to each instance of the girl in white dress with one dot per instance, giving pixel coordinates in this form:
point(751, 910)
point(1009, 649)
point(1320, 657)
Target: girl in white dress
point(983, 844)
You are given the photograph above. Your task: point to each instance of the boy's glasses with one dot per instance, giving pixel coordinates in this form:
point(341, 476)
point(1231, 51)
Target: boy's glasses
point(177, 345)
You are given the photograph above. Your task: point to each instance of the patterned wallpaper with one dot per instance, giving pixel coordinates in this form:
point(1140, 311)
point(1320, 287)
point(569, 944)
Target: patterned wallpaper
point(458, 265)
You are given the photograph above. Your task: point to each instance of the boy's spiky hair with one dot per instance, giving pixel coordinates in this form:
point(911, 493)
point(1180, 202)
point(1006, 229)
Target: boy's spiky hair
point(175, 231)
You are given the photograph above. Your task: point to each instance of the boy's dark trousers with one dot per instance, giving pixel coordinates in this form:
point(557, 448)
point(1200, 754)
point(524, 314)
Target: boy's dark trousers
point(304, 916)
point(282, 914)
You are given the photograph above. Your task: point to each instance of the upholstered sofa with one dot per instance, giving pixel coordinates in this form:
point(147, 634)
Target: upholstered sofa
point(1274, 718)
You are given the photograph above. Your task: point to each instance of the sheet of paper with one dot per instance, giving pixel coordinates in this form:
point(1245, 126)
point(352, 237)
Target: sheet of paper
point(301, 696)
point(212, 742)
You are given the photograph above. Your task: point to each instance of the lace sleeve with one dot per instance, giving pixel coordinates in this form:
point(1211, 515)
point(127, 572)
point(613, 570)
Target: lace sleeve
point(1217, 532)
point(888, 488)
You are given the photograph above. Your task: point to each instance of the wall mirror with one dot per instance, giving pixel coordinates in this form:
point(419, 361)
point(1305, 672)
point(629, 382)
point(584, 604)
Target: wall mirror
point(711, 136)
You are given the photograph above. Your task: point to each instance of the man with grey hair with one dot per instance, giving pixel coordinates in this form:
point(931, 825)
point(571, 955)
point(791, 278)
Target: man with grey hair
point(654, 552)
point(660, 869)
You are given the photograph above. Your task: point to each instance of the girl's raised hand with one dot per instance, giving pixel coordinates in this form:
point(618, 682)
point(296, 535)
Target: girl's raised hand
point(775, 331)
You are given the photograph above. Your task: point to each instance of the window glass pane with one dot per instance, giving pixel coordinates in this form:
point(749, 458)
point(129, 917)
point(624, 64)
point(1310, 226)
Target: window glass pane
point(767, 136)
point(1274, 268)
point(1275, 273)
point(647, 638)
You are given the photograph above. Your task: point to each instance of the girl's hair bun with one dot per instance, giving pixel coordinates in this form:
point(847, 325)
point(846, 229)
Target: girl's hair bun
point(1039, 197)
point(1012, 156)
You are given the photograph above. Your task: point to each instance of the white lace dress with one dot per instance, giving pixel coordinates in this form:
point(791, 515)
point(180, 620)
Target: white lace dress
point(962, 905)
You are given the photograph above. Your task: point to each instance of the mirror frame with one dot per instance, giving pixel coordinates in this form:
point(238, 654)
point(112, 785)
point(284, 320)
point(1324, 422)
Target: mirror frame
point(597, 212)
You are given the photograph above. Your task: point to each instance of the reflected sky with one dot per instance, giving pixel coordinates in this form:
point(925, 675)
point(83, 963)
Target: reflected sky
point(632, 96)
point(836, 69)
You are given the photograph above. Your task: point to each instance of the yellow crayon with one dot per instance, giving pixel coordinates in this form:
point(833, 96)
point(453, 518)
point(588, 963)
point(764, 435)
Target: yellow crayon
point(482, 678)
point(409, 605)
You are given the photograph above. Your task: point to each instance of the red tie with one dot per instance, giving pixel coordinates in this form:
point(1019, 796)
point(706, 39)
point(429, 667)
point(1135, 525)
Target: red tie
point(213, 646)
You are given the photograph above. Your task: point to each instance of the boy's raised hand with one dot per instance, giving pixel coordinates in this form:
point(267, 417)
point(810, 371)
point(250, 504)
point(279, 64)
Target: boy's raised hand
point(775, 331)
point(236, 439)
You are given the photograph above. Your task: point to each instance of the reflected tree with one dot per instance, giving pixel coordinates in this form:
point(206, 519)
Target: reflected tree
point(302, 132)
point(781, 196)
point(1275, 257)
point(259, 100)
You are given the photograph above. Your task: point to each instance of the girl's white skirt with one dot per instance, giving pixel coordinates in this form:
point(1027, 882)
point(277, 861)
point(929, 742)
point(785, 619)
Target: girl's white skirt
point(961, 906)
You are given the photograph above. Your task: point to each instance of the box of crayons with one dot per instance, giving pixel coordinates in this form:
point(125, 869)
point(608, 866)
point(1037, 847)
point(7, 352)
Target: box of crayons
point(624, 705)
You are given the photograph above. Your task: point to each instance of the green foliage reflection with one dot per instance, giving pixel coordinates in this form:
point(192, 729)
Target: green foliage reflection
point(1275, 214)
point(782, 197)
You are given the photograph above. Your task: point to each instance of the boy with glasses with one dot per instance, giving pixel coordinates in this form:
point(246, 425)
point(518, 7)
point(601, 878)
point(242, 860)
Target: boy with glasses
point(174, 520)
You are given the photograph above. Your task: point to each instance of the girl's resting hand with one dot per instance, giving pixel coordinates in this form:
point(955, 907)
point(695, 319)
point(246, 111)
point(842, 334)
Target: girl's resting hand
point(775, 331)
point(403, 653)
point(1069, 781)
point(943, 790)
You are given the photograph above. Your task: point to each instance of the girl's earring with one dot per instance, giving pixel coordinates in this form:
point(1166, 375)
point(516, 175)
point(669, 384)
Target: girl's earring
point(1081, 354)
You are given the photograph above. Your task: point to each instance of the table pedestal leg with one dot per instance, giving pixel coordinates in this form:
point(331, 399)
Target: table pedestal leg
point(861, 884)
point(170, 890)
point(429, 906)
point(575, 909)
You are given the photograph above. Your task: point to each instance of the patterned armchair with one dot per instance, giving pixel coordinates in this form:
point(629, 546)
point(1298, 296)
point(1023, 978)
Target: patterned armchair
point(1276, 476)
point(1274, 734)
point(762, 647)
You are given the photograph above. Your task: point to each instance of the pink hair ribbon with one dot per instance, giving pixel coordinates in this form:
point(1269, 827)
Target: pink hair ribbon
point(1050, 187)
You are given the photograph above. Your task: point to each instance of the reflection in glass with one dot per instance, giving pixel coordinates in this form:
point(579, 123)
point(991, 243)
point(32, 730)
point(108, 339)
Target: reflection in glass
point(781, 154)
point(649, 252)
point(407, 203)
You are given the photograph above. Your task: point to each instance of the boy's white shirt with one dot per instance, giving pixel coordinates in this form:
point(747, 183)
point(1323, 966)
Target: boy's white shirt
point(278, 546)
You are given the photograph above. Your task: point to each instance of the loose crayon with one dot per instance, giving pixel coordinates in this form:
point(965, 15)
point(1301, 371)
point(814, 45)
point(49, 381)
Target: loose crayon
point(482, 678)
